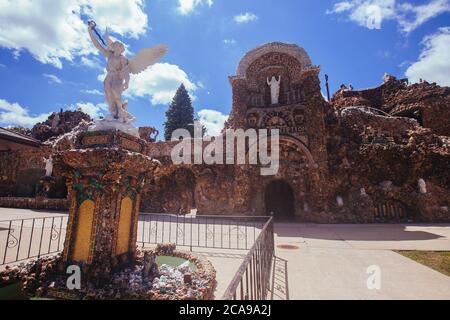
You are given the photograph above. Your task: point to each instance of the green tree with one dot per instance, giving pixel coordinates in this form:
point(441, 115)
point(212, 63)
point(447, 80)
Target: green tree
point(180, 114)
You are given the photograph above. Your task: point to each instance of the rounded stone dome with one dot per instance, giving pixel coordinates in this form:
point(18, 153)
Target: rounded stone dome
point(289, 49)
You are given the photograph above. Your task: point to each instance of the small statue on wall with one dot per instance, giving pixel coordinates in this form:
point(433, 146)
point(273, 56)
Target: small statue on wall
point(274, 85)
point(340, 201)
point(422, 186)
point(48, 166)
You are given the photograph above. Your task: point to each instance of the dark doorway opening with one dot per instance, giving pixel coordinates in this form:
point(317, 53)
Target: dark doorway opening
point(279, 200)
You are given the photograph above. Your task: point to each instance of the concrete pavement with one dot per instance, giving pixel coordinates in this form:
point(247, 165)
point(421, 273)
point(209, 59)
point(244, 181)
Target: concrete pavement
point(331, 260)
point(11, 214)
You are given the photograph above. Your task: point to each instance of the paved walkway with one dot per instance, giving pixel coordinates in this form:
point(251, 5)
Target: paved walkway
point(331, 260)
point(11, 214)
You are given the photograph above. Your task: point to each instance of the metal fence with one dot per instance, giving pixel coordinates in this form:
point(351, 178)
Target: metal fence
point(23, 239)
point(280, 284)
point(252, 281)
point(218, 232)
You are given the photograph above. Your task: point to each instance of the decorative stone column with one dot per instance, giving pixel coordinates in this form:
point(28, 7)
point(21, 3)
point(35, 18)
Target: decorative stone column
point(104, 175)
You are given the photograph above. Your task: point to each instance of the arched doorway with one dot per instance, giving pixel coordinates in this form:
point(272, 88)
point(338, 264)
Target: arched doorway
point(279, 200)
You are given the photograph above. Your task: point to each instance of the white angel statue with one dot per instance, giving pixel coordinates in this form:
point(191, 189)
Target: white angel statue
point(119, 69)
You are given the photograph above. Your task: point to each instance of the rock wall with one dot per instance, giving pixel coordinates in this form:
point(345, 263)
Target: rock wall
point(21, 171)
point(425, 102)
point(59, 123)
point(387, 157)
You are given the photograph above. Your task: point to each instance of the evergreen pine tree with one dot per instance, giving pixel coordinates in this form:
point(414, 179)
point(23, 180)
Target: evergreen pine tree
point(180, 114)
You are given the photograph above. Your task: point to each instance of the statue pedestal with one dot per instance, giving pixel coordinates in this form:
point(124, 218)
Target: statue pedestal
point(110, 123)
point(104, 176)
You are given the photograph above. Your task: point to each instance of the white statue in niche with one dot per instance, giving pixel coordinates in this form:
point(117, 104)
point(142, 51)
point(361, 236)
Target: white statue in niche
point(274, 85)
point(117, 78)
point(306, 207)
point(422, 186)
point(48, 166)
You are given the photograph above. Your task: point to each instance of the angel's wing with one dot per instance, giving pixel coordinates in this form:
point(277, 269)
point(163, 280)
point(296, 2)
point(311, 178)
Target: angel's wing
point(146, 57)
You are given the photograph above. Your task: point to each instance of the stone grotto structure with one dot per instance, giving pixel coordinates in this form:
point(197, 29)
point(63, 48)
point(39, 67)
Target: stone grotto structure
point(375, 155)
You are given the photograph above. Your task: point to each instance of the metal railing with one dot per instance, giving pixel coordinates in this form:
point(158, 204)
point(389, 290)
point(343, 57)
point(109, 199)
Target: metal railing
point(24, 239)
point(280, 283)
point(252, 281)
point(218, 232)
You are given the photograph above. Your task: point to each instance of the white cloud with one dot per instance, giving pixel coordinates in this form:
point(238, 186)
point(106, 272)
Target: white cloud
point(185, 7)
point(367, 13)
point(2, 65)
point(158, 83)
point(213, 121)
point(372, 13)
point(229, 41)
point(13, 114)
point(53, 31)
point(52, 78)
point(94, 110)
point(341, 7)
point(91, 62)
point(245, 17)
point(94, 92)
point(126, 18)
point(421, 13)
point(434, 63)
point(200, 85)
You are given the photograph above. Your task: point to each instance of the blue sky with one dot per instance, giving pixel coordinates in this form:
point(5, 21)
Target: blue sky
point(47, 62)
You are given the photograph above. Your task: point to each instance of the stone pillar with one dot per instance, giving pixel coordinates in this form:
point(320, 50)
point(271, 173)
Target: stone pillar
point(104, 174)
point(240, 100)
